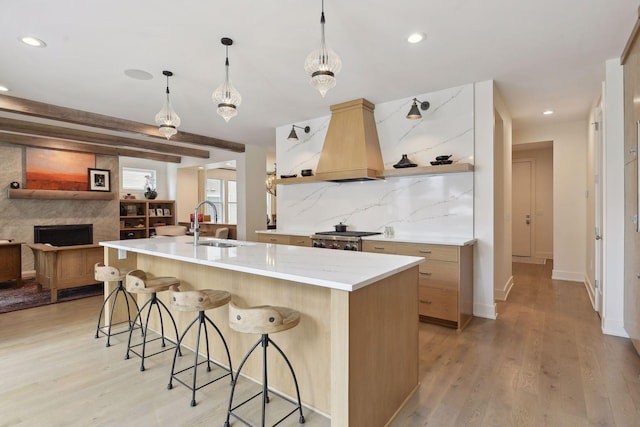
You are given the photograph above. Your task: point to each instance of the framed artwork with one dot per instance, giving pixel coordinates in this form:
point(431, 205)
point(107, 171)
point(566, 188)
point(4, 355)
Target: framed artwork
point(99, 180)
point(57, 170)
point(167, 212)
point(152, 212)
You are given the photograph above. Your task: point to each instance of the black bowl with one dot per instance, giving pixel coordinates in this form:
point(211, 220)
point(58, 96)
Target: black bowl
point(436, 163)
point(443, 157)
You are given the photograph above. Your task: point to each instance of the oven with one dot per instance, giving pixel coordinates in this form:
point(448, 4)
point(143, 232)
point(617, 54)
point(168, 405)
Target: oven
point(344, 240)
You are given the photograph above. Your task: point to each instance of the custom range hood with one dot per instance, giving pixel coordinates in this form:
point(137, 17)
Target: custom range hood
point(351, 150)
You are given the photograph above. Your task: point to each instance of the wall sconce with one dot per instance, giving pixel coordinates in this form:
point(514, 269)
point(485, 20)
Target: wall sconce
point(414, 113)
point(293, 136)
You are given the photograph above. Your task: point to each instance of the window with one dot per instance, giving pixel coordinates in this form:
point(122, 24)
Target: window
point(222, 193)
point(135, 179)
point(232, 203)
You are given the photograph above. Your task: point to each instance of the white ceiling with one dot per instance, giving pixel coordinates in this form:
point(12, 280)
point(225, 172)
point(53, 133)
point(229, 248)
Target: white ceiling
point(542, 54)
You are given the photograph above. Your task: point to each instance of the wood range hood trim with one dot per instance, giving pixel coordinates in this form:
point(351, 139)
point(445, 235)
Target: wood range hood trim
point(351, 150)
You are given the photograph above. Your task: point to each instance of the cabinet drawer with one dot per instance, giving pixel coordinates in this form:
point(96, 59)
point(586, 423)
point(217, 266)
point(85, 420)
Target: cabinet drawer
point(380, 247)
point(438, 303)
point(439, 274)
point(436, 252)
point(300, 241)
point(273, 238)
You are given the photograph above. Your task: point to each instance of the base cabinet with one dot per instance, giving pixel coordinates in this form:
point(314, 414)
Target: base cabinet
point(445, 291)
point(285, 239)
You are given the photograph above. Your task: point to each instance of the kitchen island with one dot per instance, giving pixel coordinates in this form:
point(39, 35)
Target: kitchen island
point(355, 350)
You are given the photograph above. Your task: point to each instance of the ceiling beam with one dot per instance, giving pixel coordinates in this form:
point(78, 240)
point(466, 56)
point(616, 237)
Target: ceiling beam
point(49, 131)
point(79, 117)
point(56, 144)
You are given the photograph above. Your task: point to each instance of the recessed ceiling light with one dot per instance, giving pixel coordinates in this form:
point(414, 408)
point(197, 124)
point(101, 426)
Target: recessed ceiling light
point(4, 88)
point(547, 112)
point(416, 38)
point(138, 74)
point(32, 41)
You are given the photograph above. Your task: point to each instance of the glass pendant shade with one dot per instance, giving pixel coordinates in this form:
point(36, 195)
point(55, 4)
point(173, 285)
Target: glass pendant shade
point(226, 97)
point(167, 119)
point(322, 64)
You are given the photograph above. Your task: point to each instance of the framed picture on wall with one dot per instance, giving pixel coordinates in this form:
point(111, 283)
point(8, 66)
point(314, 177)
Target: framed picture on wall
point(99, 180)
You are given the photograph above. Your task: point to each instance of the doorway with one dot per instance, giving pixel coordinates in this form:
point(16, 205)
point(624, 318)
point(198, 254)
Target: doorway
point(523, 205)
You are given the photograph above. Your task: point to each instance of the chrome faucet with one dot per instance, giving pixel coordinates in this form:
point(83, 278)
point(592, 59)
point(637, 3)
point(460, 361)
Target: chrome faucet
point(195, 226)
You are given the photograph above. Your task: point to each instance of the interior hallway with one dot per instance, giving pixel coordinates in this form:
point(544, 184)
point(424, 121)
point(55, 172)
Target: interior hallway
point(544, 362)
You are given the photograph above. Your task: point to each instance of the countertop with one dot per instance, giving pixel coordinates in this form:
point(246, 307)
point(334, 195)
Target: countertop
point(430, 240)
point(343, 270)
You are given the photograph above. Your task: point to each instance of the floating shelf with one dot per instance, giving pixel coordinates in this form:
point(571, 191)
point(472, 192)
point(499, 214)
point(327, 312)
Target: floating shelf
point(60, 195)
point(391, 173)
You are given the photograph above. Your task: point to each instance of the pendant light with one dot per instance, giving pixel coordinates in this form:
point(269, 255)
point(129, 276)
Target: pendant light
point(226, 96)
point(414, 113)
point(323, 64)
point(167, 119)
point(293, 136)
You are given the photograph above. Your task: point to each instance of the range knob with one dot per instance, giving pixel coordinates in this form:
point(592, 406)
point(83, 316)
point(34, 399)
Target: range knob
point(334, 246)
point(318, 244)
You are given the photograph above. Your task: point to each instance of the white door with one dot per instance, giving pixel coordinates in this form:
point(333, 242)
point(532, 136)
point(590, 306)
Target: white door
point(521, 199)
point(598, 213)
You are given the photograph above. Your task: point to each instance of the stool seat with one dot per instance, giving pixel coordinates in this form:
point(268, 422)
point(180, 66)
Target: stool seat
point(263, 319)
point(205, 299)
point(138, 282)
point(107, 273)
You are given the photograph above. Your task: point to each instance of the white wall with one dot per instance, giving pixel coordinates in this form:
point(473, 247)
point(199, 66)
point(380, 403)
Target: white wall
point(252, 213)
point(613, 212)
point(569, 193)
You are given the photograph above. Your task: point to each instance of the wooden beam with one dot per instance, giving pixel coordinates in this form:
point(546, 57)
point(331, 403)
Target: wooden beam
point(69, 115)
point(49, 131)
point(56, 144)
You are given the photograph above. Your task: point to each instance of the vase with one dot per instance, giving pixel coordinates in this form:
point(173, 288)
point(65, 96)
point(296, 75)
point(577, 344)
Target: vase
point(150, 194)
point(404, 163)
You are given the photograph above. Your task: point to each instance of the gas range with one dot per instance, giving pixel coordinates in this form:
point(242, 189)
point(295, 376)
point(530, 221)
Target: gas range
point(345, 240)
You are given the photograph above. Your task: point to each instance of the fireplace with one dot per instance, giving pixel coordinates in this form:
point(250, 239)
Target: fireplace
point(63, 235)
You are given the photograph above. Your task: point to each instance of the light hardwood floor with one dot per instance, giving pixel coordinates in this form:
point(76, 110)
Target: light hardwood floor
point(544, 362)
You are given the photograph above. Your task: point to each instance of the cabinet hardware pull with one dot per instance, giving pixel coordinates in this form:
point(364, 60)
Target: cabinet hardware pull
point(425, 301)
point(273, 240)
point(426, 273)
point(424, 252)
point(380, 248)
point(300, 241)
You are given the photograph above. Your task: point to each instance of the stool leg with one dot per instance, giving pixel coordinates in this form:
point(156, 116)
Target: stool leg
point(265, 390)
point(146, 330)
point(195, 362)
point(226, 347)
point(155, 302)
point(295, 380)
point(175, 327)
point(128, 295)
point(113, 306)
point(106, 300)
point(235, 382)
point(138, 316)
point(175, 354)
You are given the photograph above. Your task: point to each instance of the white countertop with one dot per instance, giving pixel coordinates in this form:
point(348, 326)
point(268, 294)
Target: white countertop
point(430, 240)
point(344, 270)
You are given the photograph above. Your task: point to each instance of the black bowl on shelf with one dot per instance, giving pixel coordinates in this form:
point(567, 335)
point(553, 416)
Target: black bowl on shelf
point(443, 157)
point(447, 162)
point(288, 176)
point(436, 162)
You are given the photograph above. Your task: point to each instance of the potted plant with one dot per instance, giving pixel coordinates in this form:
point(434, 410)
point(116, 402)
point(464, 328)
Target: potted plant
point(150, 188)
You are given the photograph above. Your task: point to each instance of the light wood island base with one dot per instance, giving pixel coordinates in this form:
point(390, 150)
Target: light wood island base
point(355, 353)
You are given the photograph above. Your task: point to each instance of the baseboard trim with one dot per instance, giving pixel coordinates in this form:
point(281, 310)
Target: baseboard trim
point(547, 255)
point(567, 275)
point(614, 327)
point(503, 294)
point(590, 291)
point(488, 311)
point(29, 274)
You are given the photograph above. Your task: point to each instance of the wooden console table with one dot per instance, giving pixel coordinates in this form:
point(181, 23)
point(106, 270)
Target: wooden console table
point(63, 267)
point(11, 262)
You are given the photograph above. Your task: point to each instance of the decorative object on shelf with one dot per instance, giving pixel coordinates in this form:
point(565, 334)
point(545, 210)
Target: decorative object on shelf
point(404, 163)
point(167, 119)
point(129, 196)
point(226, 96)
point(270, 181)
point(150, 188)
point(293, 136)
point(99, 180)
point(442, 160)
point(15, 185)
point(323, 64)
point(288, 176)
point(414, 113)
point(306, 172)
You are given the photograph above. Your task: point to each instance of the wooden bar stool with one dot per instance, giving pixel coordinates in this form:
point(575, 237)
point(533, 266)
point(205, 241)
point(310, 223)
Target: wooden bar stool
point(263, 320)
point(205, 299)
point(139, 283)
point(105, 273)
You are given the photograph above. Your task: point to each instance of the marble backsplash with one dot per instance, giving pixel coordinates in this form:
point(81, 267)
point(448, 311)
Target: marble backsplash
point(425, 205)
